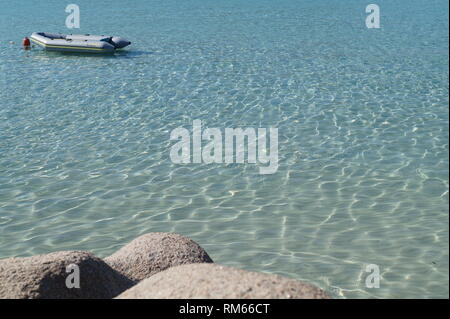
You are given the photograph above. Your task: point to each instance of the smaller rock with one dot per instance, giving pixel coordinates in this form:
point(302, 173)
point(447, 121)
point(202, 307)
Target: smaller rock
point(44, 277)
point(211, 281)
point(155, 252)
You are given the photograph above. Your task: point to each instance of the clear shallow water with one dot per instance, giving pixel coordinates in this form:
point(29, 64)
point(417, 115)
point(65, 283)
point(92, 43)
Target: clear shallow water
point(363, 138)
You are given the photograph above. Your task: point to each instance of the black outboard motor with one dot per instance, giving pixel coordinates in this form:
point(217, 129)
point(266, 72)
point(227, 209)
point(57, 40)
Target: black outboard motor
point(119, 42)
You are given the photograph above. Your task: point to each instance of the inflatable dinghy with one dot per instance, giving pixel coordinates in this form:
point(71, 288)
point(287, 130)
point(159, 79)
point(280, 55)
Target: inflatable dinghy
point(78, 42)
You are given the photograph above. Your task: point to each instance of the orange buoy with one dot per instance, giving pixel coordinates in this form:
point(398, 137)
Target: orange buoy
point(26, 42)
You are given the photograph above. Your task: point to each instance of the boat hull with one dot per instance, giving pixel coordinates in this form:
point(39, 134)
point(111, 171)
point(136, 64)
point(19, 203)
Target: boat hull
point(75, 43)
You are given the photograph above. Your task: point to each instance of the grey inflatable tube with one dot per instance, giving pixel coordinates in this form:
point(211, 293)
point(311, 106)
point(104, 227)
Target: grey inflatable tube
point(78, 43)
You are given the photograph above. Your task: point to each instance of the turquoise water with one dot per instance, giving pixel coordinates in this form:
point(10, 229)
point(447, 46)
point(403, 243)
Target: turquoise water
point(362, 116)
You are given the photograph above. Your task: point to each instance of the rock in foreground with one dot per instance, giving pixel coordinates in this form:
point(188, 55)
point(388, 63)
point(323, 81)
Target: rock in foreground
point(215, 282)
point(44, 277)
point(155, 252)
